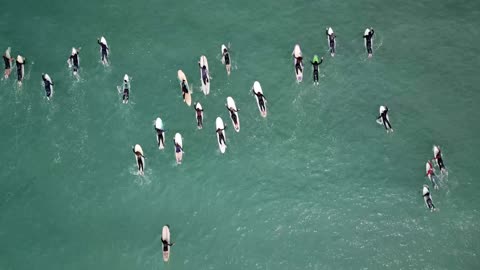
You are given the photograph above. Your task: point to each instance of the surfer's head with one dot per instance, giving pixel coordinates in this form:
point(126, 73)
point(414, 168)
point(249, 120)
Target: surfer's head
point(224, 50)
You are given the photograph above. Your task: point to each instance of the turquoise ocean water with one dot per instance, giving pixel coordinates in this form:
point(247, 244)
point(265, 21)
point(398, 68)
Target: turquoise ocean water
point(316, 185)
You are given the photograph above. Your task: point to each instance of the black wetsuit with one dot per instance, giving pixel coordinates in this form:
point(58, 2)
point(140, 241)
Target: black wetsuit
point(315, 69)
point(199, 117)
point(178, 148)
point(74, 61)
point(166, 245)
point(226, 56)
point(20, 70)
point(139, 160)
point(48, 86)
point(385, 121)
point(7, 62)
point(104, 51)
point(440, 160)
point(126, 92)
point(221, 138)
point(429, 201)
point(233, 115)
point(204, 75)
point(331, 39)
point(298, 66)
point(369, 41)
point(159, 135)
point(261, 100)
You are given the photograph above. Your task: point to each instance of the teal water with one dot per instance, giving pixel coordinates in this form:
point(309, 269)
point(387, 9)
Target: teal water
point(316, 185)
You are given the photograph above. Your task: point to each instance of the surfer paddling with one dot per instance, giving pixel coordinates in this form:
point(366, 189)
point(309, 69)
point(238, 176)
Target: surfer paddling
point(226, 59)
point(204, 73)
point(331, 40)
point(105, 50)
point(315, 63)
point(430, 173)
point(384, 118)
point(199, 114)
point(437, 153)
point(137, 150)
point(20, 63)
point(47, 83)
point(428, 198)
point(74, 61)
point(368, 36)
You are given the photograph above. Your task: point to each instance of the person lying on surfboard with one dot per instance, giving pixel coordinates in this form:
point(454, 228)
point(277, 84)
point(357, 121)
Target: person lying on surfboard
point(439, 159)
point(226, 59)
point(385, 121)
point(428, 198)
point(232, 113)
point(204, 73)
point(139, 156)
point(368, 39)
point(47, 83)
point(331, 40)
point(160, 138)
point(199, 111)
point(298, 64)
point(184, 89)
point(261, 99)
point(103, 44)
point(315, 64)
point(178, 148)
point(73, 60)
point(220, 135)
point(20, 62)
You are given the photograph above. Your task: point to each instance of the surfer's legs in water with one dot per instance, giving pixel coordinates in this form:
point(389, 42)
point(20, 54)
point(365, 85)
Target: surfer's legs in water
point(315, 75)
point(430, 204)
point(440, 164)
point(432, 177)
point(262, 104)
point(221, 138)
point(159, 136)
point(385, 123)
point(199, 121)
point(125, 95)
point(234, 117)
point(140, 164)
point(104, 56)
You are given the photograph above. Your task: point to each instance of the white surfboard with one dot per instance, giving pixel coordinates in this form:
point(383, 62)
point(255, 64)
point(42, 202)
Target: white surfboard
point(219, 125)
point(257, 88)
point(231, 105)
point(47, 77)
point(179, 141)
point(205, 87)
point(166, 237)
point(159, 125)
point(139, 149)
point(330, 31)
point(367, 31)
point(380, 110)
point(297, 52)
point(181, 77)
point(199, 106)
